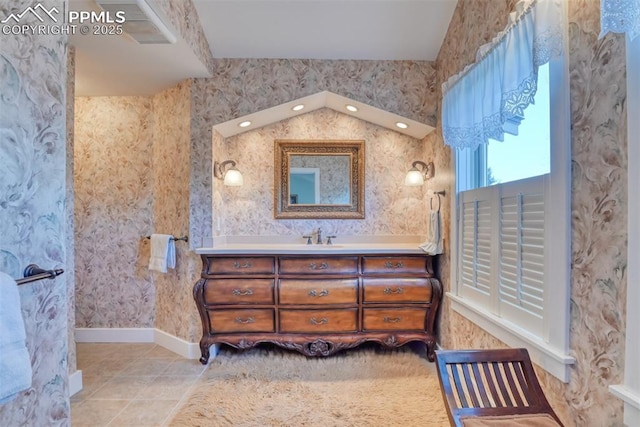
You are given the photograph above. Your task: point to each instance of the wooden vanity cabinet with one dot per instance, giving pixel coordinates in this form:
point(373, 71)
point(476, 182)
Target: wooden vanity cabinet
point(317, 304)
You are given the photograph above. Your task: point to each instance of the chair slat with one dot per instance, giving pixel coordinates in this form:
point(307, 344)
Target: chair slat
point(480, 386)
point(458, 386)
point(492, 385)
point(470, 384)
point(512, 385)
point(524, 384)
point(500, 380)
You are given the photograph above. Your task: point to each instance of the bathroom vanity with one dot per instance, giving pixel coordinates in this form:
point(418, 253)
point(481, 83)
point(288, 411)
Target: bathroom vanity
point(317, 300)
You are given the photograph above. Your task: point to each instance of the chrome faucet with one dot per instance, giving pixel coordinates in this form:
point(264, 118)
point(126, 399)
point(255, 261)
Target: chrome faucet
point(319, 236)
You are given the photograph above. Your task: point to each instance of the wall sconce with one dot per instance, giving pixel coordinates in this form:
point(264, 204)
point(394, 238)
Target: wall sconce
point(415, 177)
point(232, 176)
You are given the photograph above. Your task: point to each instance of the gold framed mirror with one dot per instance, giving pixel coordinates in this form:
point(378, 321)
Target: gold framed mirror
point(319, 179)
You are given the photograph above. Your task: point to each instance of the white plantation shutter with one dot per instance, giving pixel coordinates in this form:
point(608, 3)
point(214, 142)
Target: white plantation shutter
point(502, 250)
point(521, 258)
point(477, 244)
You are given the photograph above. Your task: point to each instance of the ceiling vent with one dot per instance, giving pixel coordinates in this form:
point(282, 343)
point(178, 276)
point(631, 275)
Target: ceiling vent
point(141, 22)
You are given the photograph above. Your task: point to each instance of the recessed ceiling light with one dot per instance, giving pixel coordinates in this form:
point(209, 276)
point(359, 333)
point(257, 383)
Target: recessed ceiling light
point(402, 125)
point(244, 124)
point(351, 108)
point(298, 107)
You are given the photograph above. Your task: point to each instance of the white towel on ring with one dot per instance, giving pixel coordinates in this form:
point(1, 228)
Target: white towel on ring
point(15, 363)
point(433, 243)
point(163, 252)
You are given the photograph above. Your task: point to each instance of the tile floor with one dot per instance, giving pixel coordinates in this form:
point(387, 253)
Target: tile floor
point(130, 385)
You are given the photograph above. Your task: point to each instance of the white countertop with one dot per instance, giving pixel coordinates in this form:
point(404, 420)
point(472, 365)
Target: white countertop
point(338, 249)
point(295, 245)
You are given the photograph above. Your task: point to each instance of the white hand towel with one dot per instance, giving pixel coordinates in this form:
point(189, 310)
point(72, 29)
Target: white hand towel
point(15, 363)
point(433, 243)
point(163, 252)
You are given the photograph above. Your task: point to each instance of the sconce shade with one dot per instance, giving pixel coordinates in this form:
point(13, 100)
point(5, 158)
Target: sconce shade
point(414, 178)
point(233, 178)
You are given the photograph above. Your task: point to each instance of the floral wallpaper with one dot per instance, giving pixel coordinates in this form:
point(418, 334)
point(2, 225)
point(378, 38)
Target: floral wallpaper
point(599, 212)
point(114, 211)
point(390, 206)
point(132, 179)
point(171, 109)
point(184, 17)
point(33, 217)
point(70, 207)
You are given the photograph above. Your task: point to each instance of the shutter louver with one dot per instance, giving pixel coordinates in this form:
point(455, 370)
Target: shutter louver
point(476, 244)
point(522, 252)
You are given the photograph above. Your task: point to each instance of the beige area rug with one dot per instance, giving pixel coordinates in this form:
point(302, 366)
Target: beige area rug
point(360, 387)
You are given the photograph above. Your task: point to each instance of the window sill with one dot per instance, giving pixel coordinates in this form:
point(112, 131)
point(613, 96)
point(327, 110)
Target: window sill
point(548, 357)
point(631, 400)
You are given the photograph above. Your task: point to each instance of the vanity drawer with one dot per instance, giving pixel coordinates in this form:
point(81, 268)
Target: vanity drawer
point(309, 292)
point(313, 321)
point(257, 320)
point(394, 265)
point(238, 291)
point(319, 265)
point(240, 265)
point(392, 319)
point(392, 290)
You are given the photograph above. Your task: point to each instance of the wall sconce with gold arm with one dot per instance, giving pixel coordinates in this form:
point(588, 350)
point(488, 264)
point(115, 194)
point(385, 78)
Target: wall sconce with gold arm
point(415, 177)
point(231, 176)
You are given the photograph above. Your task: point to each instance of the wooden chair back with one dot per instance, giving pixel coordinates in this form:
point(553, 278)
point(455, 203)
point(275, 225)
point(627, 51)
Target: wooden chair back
point(477, 383)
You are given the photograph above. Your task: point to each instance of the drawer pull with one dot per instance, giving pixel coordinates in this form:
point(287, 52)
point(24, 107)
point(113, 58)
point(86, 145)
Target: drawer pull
point(322, 266)
point(245, 321)
point(246, 264)
point(322, 293)
point(389, 264)
point(389, 291)
point(315, 321)
point(241, 293)
point(392, 319)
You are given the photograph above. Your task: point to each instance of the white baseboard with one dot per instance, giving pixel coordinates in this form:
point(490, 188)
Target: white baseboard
point(186, 349)
point(132, 335)
point(75, 382)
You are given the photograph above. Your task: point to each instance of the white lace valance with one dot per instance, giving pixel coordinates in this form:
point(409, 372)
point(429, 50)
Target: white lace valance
point(503, 81)
point(620, 16)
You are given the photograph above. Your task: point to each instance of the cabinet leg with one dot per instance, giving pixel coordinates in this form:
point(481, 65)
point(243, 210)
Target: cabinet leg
point(431, 351)
point(204, 351)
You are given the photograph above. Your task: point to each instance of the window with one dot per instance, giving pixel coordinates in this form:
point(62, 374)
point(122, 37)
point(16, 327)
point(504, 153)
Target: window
point(513, 200)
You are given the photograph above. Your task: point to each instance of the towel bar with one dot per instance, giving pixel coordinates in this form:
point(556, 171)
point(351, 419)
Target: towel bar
point(34, 273)
point(185, 238)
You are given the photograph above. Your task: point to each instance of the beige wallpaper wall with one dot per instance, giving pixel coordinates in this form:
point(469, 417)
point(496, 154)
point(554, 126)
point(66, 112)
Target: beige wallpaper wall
point(390, 206)
point(33, 217)
point(183, 16)
point(69, 211)
point(171, 110)
point(114, 211)
point(598, 296)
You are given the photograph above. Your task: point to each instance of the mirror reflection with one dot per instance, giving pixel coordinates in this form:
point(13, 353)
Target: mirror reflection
point(319, 180)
